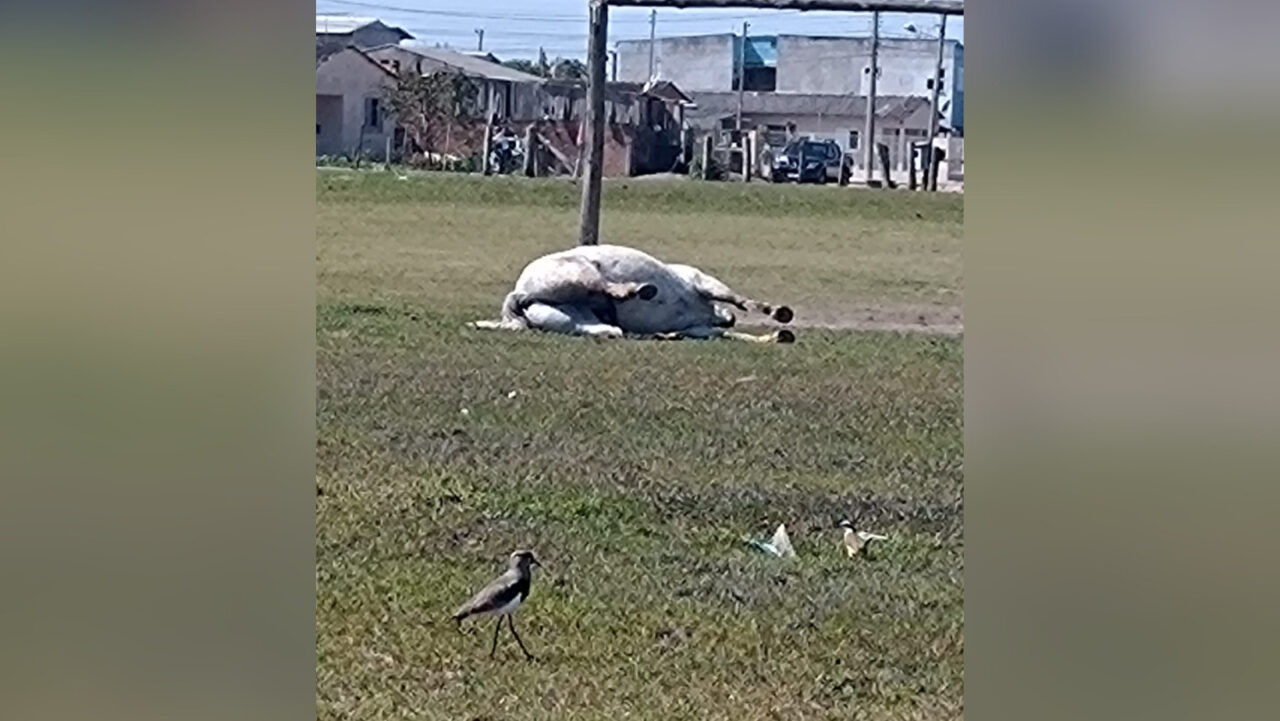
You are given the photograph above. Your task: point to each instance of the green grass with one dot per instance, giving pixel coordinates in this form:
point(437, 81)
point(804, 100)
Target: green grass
point(451, 242)
point(633, 468)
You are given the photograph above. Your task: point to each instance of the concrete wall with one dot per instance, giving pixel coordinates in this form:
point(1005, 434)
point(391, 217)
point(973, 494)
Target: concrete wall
point(352, 78)
point(955, 159)
point(805, 64)
point(703, 62)
point(820, 65)
point(842, 66)
point(956, 86)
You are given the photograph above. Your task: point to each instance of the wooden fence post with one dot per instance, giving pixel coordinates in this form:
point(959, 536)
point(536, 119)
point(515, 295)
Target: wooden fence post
point(360, 145)
point(530, 150)
point(706, 157)
point(883, 150)
point(935, 161)
point(386, 157)
point(486, 148)
point(911, 165)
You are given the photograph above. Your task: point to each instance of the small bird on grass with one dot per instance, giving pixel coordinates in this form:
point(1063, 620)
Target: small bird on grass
point(502, 597)
point(855, 540)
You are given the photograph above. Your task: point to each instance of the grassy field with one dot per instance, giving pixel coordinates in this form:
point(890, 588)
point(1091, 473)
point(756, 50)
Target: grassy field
point(457, 243)
point(634, 469)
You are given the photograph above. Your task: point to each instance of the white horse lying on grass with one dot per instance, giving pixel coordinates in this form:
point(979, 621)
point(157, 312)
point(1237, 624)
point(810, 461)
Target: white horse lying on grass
point(611, 291)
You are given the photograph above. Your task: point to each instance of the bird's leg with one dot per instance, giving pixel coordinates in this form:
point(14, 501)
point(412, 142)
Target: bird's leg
point(511, 622)
point(496, 628)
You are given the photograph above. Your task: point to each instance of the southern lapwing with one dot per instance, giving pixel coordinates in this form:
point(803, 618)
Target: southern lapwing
point(855, 540)
point(502, 597)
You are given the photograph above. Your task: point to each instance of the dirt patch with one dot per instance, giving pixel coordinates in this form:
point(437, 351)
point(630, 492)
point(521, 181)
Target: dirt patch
point(933, 319)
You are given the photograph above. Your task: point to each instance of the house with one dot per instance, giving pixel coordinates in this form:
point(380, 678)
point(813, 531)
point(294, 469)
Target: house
point(804, 64)
point(900, 120)
point(350, 114)
point(644, 120)
point(335, 32)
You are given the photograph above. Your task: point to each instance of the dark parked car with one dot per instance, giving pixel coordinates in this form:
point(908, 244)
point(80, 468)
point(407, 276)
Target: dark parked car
point(822, 160)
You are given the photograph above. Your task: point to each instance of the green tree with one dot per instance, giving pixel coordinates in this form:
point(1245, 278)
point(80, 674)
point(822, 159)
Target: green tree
point(422, 103)
point(569, 69)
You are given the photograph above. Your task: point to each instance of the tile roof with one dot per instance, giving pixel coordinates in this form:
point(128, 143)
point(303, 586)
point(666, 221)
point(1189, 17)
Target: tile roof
point(711, 106)
point(343, 24)
point(468, 64)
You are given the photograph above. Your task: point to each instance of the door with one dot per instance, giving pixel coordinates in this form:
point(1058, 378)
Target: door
point(329, 125)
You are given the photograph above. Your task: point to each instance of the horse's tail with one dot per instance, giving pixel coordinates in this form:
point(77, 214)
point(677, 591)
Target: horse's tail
point(512, 317)
point(513, 307)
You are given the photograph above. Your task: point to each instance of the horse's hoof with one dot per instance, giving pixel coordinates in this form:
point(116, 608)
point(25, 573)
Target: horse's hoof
point(783, 314)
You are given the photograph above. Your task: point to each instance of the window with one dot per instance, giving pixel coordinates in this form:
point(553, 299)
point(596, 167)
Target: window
point(853, 140)
point(372, 113)
point(815, 149)
point(765, 79)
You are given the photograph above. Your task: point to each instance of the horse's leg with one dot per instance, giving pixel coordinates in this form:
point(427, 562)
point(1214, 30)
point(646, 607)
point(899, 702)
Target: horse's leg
point(569, 320)
point(712, 288)
point(706, 332)
point(782, 335)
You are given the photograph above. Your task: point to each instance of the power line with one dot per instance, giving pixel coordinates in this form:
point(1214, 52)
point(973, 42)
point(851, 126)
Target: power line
point(548, 18)
point(459, 13)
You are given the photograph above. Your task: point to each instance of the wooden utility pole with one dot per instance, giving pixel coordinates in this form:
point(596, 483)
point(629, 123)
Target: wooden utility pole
point(593, 172)
point(869, 130)
point(933, 105)
point(742, 72)
point(479, 39)
point(653, 36)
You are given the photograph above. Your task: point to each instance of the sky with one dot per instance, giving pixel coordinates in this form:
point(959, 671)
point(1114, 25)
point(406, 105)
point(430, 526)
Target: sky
point(517, 28)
